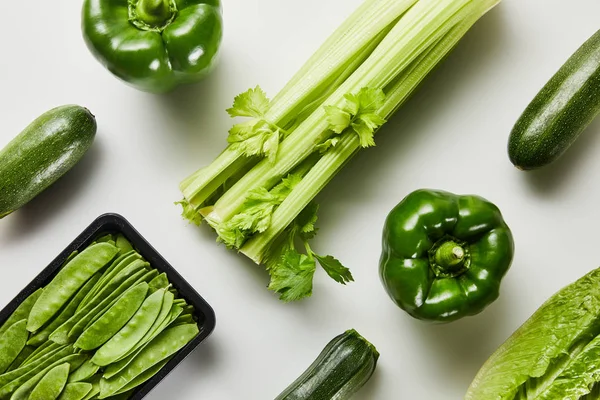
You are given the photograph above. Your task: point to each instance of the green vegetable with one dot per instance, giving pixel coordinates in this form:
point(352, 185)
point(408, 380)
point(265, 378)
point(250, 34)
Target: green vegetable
point(258, 194)
point(560, 112)
point(25, 390)
point(45, 351)
point(100, 300)
point(68, 281)
point(42, 153)
point(22, 311)
point(102, 288)
point(162, 347)
point(167, 316)
point(87, 370)
point(342, 368)
point(135, 329)
point(553, 355)
point(12, 343)
point(23, 355)
point(444, 255)
point(52, 384)
point(75, 391)
point(154, 45)
point(113, 319)
point(75, 325)
point(67, 312)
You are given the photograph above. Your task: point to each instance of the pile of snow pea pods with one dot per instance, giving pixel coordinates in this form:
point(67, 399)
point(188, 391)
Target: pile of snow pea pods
point(105, 324)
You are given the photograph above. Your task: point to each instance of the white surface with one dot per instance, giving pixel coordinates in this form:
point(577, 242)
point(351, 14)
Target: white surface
point(451, 136)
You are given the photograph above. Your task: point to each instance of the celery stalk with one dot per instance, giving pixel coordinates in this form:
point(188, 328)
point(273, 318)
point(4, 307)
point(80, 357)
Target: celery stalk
point(336, 59)
point(259, 199)
point(416, 31)
point(332, 162)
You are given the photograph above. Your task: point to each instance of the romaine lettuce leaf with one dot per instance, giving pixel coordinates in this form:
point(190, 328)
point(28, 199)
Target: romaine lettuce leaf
point(543, 344)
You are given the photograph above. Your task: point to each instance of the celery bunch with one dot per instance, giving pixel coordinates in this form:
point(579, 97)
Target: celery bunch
point(258, 193)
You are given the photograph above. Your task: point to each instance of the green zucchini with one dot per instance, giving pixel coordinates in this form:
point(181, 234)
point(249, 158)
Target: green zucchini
point(564, 107)
point(343, 367)
point(43, 152)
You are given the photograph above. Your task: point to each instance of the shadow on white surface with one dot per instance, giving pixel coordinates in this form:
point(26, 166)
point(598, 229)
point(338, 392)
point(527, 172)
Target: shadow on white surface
point(369, 391)
point(462, 347)
point(55, 199)
point(200, 363)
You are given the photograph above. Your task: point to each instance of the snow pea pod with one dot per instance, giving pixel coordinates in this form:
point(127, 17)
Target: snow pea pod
point(67, 312)
point(180, 302)
point(61, 334)
point(22, 311)
point(68, 281)
point(52, 384)
point(24, 390)
point(123, 244)
point(161, 348)
point(114, 319)
point(25, 383)
point(93, 394)
point(23, 355)
point(113, 276)
point(84, 372)
point(184, 319)
point(105, 239)
point(42, 351)
point(124, 361)
point(76, 331)
point(132, 332)
point(160, 282)
point(18, 376)
point(11, 343)
point(75, 391)
point(143, 377)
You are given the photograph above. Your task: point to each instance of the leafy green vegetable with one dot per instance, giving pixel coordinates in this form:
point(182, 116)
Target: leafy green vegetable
point(325, 114)
point(554, 354)
point(359, 113)
point(293, 276)
point(257, 136)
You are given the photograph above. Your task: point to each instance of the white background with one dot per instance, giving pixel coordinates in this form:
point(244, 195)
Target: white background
point(452, 135)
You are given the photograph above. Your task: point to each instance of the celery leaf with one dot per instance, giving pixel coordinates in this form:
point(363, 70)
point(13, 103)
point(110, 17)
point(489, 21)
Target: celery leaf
point(326, 145)
point(339, 120)
point(370, 100)
point(252, 103)
point(255, 217)
point(306, 221)
point(255, 137)
point(256, 214)
point(359, 113)
point(335, 269)
point(271, 145)
point(293, 276)
point(365, 134)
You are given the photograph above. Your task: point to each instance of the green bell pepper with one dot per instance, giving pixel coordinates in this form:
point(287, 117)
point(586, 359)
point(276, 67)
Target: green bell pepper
point(444, 255)
point(154, 45)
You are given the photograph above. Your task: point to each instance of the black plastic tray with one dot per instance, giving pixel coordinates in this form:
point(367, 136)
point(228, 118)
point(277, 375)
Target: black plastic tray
point(114, 223)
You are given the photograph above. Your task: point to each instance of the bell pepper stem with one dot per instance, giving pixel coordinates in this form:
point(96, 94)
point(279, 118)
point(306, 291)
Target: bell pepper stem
point(154, 12)
point(450, 256)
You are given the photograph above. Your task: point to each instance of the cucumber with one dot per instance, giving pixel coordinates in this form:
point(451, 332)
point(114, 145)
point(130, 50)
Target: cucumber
point(343, 367)
point(564, 107)
point(43, 152)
